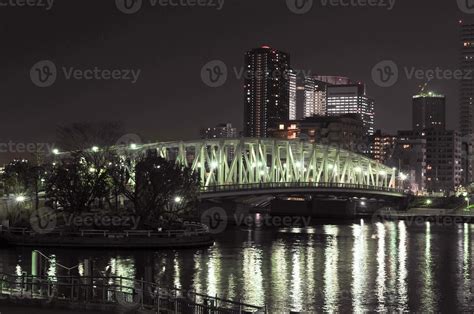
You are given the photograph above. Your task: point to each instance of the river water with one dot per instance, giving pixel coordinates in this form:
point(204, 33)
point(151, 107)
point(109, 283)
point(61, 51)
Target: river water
point(355, 266)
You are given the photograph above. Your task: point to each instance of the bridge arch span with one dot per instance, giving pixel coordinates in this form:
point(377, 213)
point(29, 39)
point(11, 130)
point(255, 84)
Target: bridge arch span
point(222, 162)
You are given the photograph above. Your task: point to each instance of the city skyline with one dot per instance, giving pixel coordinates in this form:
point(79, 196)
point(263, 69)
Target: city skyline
point(152, 111)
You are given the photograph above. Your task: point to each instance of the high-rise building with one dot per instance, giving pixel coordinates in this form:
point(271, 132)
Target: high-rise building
point(352, 98)
point(466, 100)
point(315, 93)
point(293, 95)
point(467, 83)
point(223, 130)
point(267, 90)
point(429, 112)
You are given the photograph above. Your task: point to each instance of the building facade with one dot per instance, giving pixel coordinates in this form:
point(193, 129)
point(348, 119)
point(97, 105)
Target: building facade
point(352, 99)
point(429, 112)
point(266, 89)
point(316, 93)
point(382, 146)
point(466, 93)
point(223, 130)
point(443, 158)
point(346, 131)
point(409, 156)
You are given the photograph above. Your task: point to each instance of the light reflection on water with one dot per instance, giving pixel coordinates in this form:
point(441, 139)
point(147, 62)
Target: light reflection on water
point(357, 267)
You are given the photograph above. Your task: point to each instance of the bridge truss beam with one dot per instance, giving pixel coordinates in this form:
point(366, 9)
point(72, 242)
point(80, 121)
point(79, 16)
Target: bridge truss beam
point(247, 161)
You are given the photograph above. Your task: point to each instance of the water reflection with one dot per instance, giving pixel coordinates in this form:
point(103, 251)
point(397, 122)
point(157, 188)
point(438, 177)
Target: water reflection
point(359, 284)
point(428, 299)
point(331, 283)
point(252, 275)
point(381, 285)
point(360, 267)
point(402, 267)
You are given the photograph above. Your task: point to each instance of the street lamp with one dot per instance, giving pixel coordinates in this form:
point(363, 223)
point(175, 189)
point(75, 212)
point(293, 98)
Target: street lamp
point(20, 199)
point(95, 149)
point(178, 199)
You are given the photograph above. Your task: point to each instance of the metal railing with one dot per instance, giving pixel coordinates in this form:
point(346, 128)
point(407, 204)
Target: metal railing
point(192, 229)
point(290, 185)
point(117, 291)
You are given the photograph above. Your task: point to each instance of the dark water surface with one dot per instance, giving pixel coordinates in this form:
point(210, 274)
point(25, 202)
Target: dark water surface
point(391, 266)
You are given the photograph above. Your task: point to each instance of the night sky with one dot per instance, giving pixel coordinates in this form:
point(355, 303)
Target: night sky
point(171, 44)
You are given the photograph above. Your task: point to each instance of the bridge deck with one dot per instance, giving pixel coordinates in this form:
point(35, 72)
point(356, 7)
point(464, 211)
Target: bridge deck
point(295, 187)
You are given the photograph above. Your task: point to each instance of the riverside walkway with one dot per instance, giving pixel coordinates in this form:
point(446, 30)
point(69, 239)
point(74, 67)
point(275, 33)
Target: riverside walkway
point(77, 294)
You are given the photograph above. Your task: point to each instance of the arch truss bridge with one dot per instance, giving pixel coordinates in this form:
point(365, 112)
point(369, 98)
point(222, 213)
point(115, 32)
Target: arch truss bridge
point(247, 161)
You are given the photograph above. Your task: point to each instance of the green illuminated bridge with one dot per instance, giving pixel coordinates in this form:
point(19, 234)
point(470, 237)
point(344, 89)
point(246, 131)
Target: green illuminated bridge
point(257, 166)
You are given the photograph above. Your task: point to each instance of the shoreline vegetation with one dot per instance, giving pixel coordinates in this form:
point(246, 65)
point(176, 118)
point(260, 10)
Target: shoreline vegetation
point(102, 194)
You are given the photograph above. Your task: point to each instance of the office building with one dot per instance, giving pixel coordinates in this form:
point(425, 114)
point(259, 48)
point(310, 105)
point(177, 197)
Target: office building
point(315, 93)
point(429, 112)
point(344, 99)
point(266, 89)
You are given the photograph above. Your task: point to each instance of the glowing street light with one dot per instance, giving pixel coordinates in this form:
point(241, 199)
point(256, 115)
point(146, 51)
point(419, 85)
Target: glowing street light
point(95, 149)
point(56, 151)
point(178, 199)
point(429, 202)
point(20, 199)
point(133, 146)
point(403, 176)
point(214, 165)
